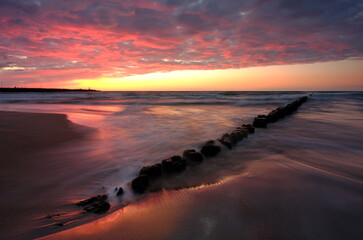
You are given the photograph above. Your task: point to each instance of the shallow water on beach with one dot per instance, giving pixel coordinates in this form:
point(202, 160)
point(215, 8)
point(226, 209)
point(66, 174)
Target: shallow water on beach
point(141, 128)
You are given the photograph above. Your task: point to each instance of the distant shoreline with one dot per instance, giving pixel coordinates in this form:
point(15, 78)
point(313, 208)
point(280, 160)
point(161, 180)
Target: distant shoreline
point(16, 89)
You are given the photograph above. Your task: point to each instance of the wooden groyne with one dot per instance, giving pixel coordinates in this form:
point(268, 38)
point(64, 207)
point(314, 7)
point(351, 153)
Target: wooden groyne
point(210, 149)
point(169, 166)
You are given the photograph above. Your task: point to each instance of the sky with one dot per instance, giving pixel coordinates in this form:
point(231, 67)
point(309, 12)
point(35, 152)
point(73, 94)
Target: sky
point(182, 44)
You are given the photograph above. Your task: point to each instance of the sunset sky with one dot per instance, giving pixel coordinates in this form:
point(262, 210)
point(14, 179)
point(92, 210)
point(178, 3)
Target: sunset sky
point(182, 45)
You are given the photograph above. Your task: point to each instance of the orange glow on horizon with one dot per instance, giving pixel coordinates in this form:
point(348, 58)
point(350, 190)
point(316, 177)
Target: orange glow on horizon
point(340, 75)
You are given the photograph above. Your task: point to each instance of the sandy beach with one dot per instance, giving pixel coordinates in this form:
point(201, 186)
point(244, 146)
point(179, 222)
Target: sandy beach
point(27, 133)
point(274, 199)
point(293, 180)
point(28, 180)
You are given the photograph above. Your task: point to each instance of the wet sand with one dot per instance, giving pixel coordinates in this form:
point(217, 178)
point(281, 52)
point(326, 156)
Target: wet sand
point(274, 199)
point(301, 178)
point(27, 174)
point(23, 133)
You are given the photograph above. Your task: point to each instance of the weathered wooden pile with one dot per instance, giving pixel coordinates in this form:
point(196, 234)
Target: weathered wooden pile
point(98, 204)
point(176, 164)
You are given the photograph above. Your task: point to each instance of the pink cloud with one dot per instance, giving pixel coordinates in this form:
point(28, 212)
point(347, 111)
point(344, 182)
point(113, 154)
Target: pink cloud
point(64, 40)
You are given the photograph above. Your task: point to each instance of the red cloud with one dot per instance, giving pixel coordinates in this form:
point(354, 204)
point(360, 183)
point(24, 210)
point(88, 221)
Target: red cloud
point(63, 40)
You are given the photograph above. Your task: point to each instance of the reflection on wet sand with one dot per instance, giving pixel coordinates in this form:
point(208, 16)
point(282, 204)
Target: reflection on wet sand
point(276, 199)
point(298, 179)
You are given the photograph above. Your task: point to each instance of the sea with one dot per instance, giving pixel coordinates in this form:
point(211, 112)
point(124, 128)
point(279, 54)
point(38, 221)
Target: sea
point(128, 130)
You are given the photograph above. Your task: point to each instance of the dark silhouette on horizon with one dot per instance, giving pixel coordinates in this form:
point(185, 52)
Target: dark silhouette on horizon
point(17, 89)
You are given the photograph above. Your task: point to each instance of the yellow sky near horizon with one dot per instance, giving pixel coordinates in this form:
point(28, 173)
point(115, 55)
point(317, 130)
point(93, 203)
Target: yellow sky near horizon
point(338, 75)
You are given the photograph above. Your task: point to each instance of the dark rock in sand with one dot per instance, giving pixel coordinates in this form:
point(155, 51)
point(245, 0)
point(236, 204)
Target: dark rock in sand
point(102, 207)
point(232, 137)
point(280, 112)
point(226, 135)
point(272, 116)
point(305, 98)
point(98, 204)
point(260, 122)
point(226, 141)
point(243, 131)
point(152, 171)
point(290, 108)
point(192, 155)
point(174, 164)
point(238, 134)
point(209, 149)
point(235, 137)
point(140, 183)
point(249, 128)
point(92, 200)
point(120, 191)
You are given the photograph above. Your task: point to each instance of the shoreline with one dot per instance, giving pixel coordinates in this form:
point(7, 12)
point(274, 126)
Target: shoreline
point(280, 169)
point(231, 139)
point(32, 132)
point(269, 207)
point(29, 143)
